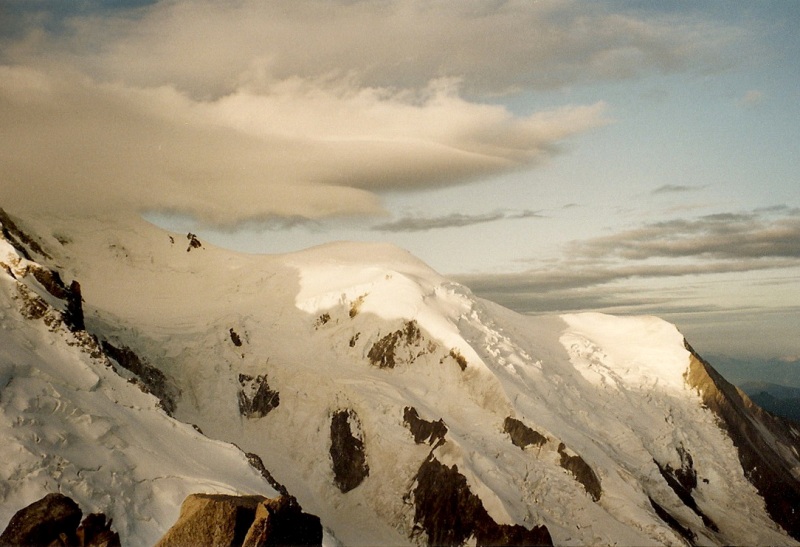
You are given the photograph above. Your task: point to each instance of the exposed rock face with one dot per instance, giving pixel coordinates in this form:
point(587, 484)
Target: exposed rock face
point(54, 521)
point(95, 531)
point(153, 379)
point(21, 241)
point(258, 464)
point(384, 353)
point(210, 519)
point(682, 481)
point(253, 521)
point(448, 513)
point(194, 243)
point(256, 399)
point(581, 471)
point(73, 315)
point(522, 435)
point(53, 284)
point(673, 523)
point(424, 431)
point(281, 521)
point(347, 450)
point(763, 442)
point(43, 522)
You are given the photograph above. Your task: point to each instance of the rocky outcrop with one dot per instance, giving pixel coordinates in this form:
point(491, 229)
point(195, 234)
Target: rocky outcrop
point(22, 242)
point(581, 471)
point(446, 512)
point(673, 523)
point(251, 521)
point(763, 442)
point(384, 352)
point(152, 379)
point(194, 243)
point(51, 281)
point(347, 451)
point(522, 435)
point(55, 521)
point(256, 399)
point(424, 431)
point(683, 480)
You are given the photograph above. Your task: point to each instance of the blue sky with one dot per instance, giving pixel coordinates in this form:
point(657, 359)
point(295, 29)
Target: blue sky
point(554, 156)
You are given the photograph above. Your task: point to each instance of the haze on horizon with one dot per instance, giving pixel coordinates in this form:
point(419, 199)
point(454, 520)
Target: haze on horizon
point(553, 156)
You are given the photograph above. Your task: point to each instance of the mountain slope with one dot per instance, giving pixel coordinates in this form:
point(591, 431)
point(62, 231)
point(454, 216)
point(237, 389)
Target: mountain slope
point(379, 393)
point(70, 424)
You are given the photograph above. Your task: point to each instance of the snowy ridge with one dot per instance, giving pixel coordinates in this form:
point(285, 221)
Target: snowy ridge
point(585, 424)
point(70, 424)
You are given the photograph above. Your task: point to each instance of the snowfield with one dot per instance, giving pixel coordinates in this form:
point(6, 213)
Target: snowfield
point(624, 451)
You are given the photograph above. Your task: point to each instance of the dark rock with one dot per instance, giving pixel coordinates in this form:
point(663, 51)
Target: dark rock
point(685, 494)
point(153, 380)
point(256, 399)
point(322, 319)
point(522, 435)
point(448, 513)
point(52, 520)
point(257, 463)
point(51, 281)
point(459, 359)
point(766, 464)
point(581, 471)
point(73, 316)
point(194, 243)
point(95, 531)
point(18, 239)
point(424, 431)
point(281, 521)
point(31, 305)
point(383, 353)
point(673, 523)
point(347, 451)
point(237, 341)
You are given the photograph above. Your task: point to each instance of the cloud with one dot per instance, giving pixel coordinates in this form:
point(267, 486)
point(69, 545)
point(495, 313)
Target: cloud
point(570, 275)
point(299, 150)
point(674, 189)
point(210, 49)
point(245, 111)
point(454, 220)
point(719, 236)
point(752, 98)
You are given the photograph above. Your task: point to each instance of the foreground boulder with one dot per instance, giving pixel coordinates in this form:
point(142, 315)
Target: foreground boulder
point(55, 520)
point(253, 521)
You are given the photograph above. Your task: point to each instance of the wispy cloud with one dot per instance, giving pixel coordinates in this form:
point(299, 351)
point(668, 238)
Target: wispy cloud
point(674, 189)
point(718, 236)
point(592, 272)
point(454, 220)
point(752, 98)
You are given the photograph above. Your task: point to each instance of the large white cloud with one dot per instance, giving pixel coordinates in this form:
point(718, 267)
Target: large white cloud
point(244, 110)
point(298, 149)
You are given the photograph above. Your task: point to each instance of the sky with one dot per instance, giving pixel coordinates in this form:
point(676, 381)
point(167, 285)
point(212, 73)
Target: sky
point(625, 157)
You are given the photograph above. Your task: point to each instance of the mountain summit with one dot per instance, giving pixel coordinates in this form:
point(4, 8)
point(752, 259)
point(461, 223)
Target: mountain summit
point(386, 399)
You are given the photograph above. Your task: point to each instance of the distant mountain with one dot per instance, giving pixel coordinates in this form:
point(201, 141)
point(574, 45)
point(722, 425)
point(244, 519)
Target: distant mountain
point(388, 400)
point(781, 400)
point(774, 371)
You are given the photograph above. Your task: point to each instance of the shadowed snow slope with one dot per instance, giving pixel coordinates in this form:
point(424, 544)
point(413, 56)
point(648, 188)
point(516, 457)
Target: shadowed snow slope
point(341, 342)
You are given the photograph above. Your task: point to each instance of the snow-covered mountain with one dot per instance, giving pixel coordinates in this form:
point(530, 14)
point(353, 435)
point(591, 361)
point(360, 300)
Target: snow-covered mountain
point(390, 401)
